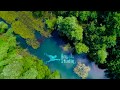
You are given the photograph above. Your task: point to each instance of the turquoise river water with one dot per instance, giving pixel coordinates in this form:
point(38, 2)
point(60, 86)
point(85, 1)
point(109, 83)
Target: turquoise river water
point(52, 46)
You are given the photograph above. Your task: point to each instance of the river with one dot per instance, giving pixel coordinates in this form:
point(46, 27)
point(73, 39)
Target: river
point(51, 46)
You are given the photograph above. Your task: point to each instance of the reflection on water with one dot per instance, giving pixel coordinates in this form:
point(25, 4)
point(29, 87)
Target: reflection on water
point(96, 73)
point(51, 46)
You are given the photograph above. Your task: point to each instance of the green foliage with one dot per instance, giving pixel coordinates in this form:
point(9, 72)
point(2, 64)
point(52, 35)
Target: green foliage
point(92, 27)
point(30, 74)
point(81, 48)
point(3, 26)
point(24, 23)
point(67, 47)
point(111, 40)
point(100, 31)
point(116, 20)
point(12, 70)
point(7, 42)
point(43, 72)
point(83, 15)
point(113, 65)
point(101, 34)
point(37, 14)
point(22, 30)
point(70, 27)
point(50, 23)
point(113, 70)
point(74, 13)
point(102, 55)
point(93, 15)
point(9, 16)
point(33, 42)
point(61, 13)
point(55, 75)
point(3, 50)
point(17, 63)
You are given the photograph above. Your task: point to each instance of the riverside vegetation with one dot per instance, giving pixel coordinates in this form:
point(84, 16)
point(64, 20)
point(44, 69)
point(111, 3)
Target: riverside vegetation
point(96, 33)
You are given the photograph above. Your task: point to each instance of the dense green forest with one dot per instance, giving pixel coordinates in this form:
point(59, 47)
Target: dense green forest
point(96, 33)
point(99, 37)
point(17, 63)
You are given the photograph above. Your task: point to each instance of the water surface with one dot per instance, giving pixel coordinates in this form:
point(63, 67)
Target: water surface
point(51, 46)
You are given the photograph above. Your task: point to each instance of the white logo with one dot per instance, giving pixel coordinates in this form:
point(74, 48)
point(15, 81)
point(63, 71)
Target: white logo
point(63, 59)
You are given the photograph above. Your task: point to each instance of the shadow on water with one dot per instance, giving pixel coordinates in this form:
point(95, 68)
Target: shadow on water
point(56, 37)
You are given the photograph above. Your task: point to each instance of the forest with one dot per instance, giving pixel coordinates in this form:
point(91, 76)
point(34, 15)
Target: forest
point(96, 33)
point(17, 63)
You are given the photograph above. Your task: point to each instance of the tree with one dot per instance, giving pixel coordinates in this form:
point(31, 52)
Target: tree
point(30, 74)
point(37, 14)
point(93, 15)
point(111, 41)
point(116, 20)
point(61, 13)
point(22, 30)
point(51, 23)
point(55, 75)
point(81, 48)
point(3, 27)
point(83, 15)
point(102, 55)
point(3, 49)
point(74, 13)
point(7, 42)
point(13, 70)
point(24, 23)
point(8, 16)
point(113, 64)
point(101, 34)
point(113, 70)
point(33, 42)
point(69, 27)
point(17, 63)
